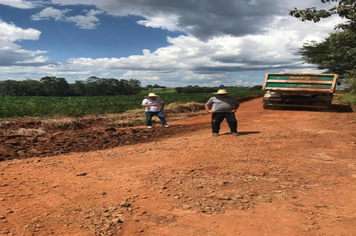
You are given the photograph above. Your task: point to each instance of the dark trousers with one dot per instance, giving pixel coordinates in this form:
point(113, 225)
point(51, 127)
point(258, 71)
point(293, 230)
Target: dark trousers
point(217, 118)
point(159, 114)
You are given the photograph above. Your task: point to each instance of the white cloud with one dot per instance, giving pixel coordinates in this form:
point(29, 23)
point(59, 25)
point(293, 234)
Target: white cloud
point(11, 53)
point(9, 32)
point(204, 18)
point(49, 13)
point(193, 61)
point(87, 21)
point(168, 22)
point(35, 60)
point(232, 43)
point(18, 3)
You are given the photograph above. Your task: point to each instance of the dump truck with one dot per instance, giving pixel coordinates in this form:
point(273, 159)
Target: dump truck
point(298, 90)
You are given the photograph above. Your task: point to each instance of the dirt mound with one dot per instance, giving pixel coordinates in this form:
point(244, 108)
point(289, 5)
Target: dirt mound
point(23, 139)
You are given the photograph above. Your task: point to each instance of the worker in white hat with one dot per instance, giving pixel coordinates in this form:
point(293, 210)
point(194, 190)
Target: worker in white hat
point(154, 107)
point(222, 107)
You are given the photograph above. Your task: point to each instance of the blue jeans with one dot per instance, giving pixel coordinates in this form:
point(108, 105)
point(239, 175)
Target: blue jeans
point(217, 118)
point(159, 114)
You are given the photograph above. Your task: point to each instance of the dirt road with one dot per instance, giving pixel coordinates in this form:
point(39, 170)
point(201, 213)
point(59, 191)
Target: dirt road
point(288, 173)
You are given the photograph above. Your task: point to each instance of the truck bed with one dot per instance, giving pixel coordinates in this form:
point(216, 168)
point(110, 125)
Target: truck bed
point(299, 89)
point(318, 83)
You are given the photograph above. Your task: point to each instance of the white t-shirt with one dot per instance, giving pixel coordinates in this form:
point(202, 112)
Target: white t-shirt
point(148, 101)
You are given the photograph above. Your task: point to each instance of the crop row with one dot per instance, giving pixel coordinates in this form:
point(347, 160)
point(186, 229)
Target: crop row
point(21, 107)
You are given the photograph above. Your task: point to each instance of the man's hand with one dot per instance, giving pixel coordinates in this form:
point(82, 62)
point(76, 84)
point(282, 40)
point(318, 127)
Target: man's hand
point(208, 109)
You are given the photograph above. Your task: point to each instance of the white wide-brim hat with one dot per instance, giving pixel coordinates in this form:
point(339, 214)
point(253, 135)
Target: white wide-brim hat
point(222, 91)
point(150, 95)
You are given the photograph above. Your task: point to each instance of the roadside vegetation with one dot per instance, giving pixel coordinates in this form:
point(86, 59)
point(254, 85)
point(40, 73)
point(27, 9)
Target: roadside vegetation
point(349, 98)
point(49, 107)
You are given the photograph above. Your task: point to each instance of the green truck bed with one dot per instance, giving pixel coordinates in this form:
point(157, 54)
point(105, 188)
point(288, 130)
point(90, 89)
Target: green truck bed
point(321, 83)
point(299, 89)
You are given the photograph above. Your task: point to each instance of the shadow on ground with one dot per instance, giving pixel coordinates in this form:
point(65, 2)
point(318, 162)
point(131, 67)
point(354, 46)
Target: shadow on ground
point(341, 108)
point(243, 133)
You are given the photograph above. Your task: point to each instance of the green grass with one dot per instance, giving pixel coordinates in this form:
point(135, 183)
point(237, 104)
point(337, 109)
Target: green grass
point(349, 98)
point(48, 107)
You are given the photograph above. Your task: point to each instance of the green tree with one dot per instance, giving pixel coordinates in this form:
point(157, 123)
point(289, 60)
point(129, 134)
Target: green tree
point(256, 88)
point(10, 88)
point(31, 87)
point(95, 86)
point(129, 87)
point(21, 88)
point(346, 9)
point(110, 86)
point(135, 86)
point(53, 86)
point(78, 88)
point(336, 54)
point(350, 81)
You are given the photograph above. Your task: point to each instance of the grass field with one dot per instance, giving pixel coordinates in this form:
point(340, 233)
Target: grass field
point(47, 107)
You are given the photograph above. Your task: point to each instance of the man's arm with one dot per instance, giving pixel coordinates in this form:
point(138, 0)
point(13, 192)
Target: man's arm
point(145, 104)
point(208, 109)
point(148, 105)
point(235, 106)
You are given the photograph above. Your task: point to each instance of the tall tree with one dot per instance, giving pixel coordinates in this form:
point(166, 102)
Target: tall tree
point(93, 86)
point(346, 9)
point(21, 88)
point(337, 53)
point(134, 86)
point(54, 86)
point(10, 88)
point(31, 87)
point(78, 88)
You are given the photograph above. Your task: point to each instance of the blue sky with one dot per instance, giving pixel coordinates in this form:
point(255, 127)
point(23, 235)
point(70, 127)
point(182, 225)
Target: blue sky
point(166, 42)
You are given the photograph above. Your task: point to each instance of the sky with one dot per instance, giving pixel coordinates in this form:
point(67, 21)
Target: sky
point(166, 42)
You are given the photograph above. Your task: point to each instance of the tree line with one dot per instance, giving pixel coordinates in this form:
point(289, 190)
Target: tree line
point(59, 87)
point(197, 89)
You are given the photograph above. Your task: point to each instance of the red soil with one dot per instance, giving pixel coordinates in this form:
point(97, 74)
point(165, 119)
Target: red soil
point(290, 172)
